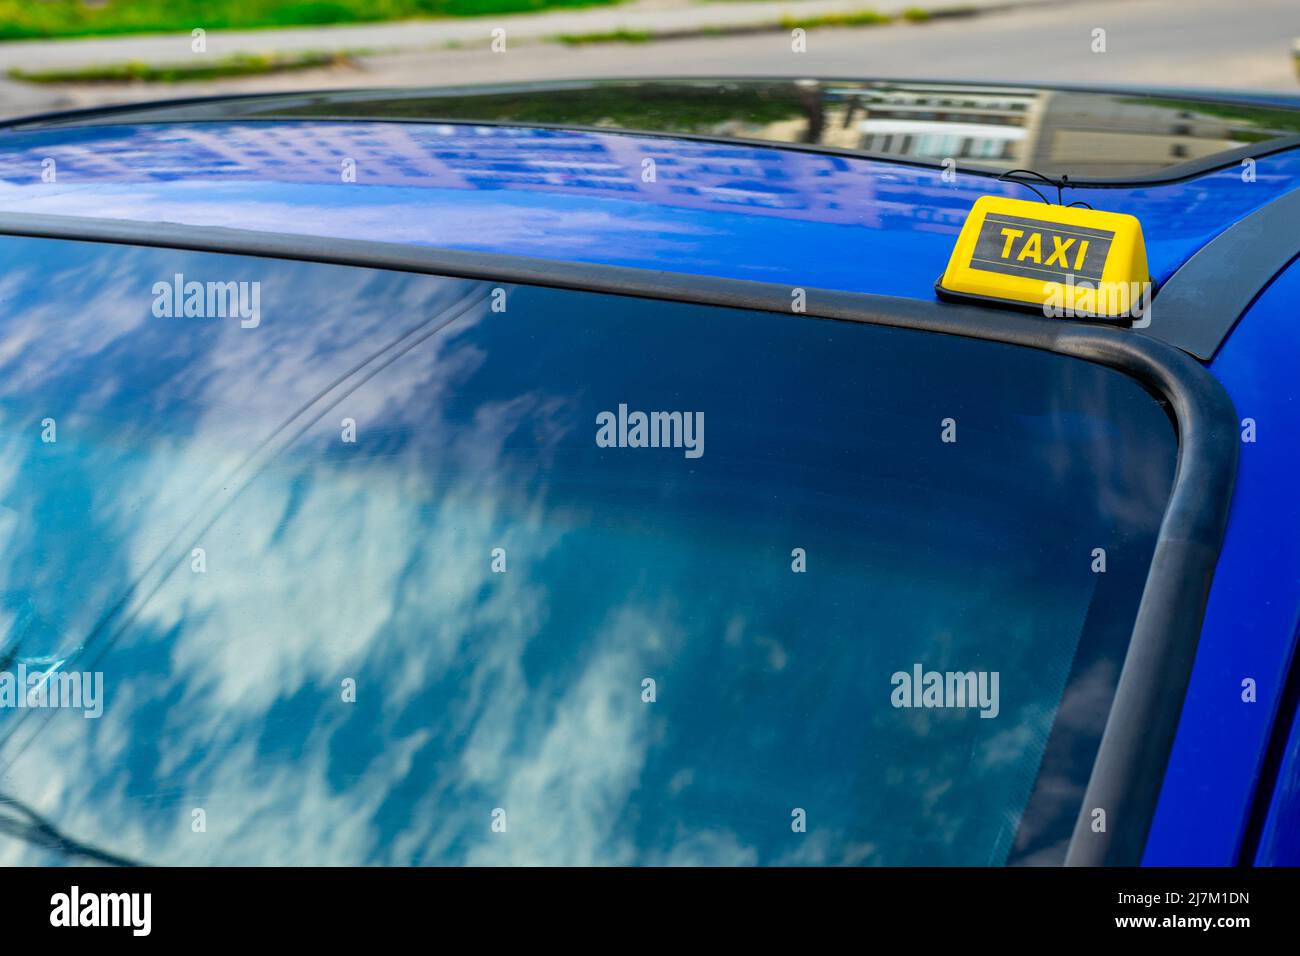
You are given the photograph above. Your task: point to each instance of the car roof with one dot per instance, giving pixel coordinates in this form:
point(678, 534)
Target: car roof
point(792, 214)
point(1088, 134)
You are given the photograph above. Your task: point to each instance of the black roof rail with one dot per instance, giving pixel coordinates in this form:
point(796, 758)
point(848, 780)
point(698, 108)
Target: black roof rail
point(1199, 305)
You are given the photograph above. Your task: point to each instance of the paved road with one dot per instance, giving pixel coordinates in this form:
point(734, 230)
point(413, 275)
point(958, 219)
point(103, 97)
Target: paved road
point(1237, 43)
point(668, 17)
point(1197, 43)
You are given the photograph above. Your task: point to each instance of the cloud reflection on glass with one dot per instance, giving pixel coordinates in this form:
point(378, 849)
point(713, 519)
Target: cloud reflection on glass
point(522, 690)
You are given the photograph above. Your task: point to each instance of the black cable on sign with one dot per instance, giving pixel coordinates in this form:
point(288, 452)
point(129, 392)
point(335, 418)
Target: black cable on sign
point(1062, 184)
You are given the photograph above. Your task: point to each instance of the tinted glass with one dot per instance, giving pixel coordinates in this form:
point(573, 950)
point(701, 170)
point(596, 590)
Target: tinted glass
point(378, 572)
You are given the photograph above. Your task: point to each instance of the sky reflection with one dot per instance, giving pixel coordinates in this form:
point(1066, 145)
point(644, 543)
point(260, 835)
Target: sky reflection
point(522, 690)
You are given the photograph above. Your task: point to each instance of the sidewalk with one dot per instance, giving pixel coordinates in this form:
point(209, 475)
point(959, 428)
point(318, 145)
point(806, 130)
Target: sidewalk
point(664, 18)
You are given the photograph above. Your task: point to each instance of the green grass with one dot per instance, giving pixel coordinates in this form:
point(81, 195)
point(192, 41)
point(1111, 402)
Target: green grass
point(240, 64)
point(36, 19)
point(921, 15)
point(612, 36)
point(856, 18)
point(870, 18)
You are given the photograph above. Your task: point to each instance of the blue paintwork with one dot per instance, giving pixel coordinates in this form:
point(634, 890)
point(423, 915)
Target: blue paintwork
point(716, 209)
point(1279, 843)
point(1250, 621)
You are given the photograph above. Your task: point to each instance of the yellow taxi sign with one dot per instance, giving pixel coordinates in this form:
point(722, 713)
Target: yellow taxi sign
point(1068, 260)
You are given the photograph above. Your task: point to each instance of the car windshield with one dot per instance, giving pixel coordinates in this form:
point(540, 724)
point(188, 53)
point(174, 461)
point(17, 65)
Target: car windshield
point(357, 566)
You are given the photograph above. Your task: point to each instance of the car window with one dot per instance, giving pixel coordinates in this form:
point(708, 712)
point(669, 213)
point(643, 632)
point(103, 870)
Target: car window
point(387, 568)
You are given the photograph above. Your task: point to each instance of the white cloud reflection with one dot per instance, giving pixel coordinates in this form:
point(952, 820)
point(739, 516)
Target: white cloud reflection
point(474, 690)
point(318, 572)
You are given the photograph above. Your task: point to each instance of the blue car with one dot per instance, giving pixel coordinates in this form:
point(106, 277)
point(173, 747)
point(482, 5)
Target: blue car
point(592, 474)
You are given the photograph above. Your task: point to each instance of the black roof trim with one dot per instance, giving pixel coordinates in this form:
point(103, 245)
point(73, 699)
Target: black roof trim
point(1140, 729)
point(1201, 303)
